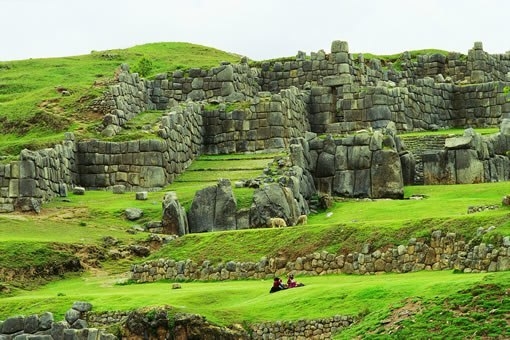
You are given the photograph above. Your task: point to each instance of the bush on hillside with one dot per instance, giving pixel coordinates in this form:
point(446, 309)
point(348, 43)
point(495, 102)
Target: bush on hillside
point(143, 67)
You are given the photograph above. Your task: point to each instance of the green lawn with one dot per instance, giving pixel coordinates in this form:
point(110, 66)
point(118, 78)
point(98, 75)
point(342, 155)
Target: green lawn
point(249, 301)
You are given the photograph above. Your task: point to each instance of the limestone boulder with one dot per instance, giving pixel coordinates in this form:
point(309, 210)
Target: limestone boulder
point(213, 209)
point(174, 220)
point(133, 214)
point(454, 143)
point(469, 169)
point(273, 200)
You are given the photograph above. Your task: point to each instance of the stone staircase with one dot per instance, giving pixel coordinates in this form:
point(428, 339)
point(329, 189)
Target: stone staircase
point(419, 145)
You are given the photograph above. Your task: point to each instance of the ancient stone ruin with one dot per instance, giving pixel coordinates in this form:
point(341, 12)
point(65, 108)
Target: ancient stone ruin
point(341, 117)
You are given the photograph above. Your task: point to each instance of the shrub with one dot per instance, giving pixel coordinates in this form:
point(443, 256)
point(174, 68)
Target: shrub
point(143, 67)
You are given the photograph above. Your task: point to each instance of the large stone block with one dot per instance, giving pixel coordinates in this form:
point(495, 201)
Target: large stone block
point(339, 46)
point(341, 162)
point(439, 168)
point(379, 112)
point(343, 183)
point(325, 165)
point(226, 73)
point(362, 183)
point(463, 142)
point(386, 175)
point(152, 176)
point(13, 325)
point(359, 157)
point(469, 169)
point(28, 187)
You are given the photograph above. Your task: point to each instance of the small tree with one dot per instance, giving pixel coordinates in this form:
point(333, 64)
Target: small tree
point(143, 67)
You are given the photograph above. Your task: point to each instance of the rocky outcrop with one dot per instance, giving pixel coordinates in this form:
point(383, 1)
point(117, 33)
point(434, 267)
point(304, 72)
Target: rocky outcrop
point(213, 209)
point(174, 221)
point(163, 323)
point(273, 200)
point(470, 158)
point(42, 271)
point(43, 326)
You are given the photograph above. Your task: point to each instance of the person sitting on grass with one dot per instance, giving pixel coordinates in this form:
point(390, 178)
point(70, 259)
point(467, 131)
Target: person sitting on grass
point(277, 285)
point(291, 283)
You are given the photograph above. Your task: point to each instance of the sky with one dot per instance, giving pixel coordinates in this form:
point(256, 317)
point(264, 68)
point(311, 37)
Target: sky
point(258, 29)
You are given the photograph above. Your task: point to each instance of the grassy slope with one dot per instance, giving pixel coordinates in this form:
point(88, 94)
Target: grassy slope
point(248, 301)
point(34, 114)
point(228, 302)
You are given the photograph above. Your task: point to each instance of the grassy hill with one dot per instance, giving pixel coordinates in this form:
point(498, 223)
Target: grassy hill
point(424, 304)
point(33, 112)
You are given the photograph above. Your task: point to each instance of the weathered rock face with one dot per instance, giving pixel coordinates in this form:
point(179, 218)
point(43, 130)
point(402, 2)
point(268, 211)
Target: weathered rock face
point(174, 221)
point(468, 159)
point(273, 200)
point(43, 326)
point(213, 209)
point(162, 325)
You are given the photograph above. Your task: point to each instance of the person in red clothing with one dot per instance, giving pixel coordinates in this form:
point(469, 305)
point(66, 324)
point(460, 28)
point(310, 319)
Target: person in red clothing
point(277, 285)
point(291, 283)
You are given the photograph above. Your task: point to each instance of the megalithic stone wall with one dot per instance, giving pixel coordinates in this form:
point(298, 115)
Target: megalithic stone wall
point(344, 92)
point(38, 176)
point(133, 94)
point(267, 123)
point(146, 163)
point(363, 165)
point(470, 159)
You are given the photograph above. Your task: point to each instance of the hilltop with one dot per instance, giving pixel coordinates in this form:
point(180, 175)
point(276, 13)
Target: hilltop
point(34, 111)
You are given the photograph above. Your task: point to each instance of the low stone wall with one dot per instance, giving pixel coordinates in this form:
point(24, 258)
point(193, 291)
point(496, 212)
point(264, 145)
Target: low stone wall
point(300, 330)
point(38, 176)
point(324, 328)
point(440, 252)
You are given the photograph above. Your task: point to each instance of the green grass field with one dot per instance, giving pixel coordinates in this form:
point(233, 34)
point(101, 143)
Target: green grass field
point(225, 303)
point(353, 222)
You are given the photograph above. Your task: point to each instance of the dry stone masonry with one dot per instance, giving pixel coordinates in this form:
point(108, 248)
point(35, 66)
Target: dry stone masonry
point(43, 326)
point(442, 251)
point(255, 107)
point(184, 326)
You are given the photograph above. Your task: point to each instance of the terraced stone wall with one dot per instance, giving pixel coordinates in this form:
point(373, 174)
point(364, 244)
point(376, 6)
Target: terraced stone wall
point(38, 176)
point(268, 123)
point(442, 251)
point(145, 163)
